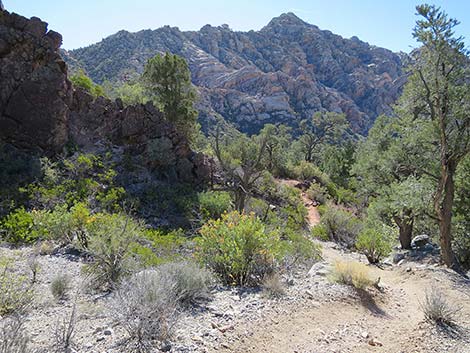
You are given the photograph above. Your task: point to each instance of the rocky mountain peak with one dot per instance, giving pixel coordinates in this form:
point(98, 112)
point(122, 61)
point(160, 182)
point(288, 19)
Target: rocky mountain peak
point(281, 74)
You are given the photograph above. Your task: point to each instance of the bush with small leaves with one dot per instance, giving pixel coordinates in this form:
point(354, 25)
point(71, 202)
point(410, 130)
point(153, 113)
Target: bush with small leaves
point(60, 286)
point(375, 243)
point(341, 226)
point(16, 294)
point(110, 239)
point(213, 204)
point(437, 308)
point(239, 248)
point(18, 227)
point(317, 193)
point(352, 274)
point(146, 307)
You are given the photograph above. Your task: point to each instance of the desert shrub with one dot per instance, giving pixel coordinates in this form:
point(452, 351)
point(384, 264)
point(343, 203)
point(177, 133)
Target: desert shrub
point(13, 338)
point(110, 240)
point(80, 79)
point(308, 171)
point(239, 248)
point(317, 193)
point(461, 239)
point(320, 232)
point(352, 274)
point(272, 286)
point(341, 226)
point(18, 227)
point(213, 204)
point(82, 178)
point(147, 309)
point(192, 282)
point(65, 332)
point(375, 243)
point(34, 266)
point(60, 286)
point(16, 294)
point(437, 308)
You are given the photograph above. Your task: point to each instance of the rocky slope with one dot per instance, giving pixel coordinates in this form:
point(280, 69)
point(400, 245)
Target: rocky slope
point(282, 73)
point(41, 111)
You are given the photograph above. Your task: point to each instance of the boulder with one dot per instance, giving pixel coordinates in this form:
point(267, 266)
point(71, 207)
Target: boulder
point(420, 241)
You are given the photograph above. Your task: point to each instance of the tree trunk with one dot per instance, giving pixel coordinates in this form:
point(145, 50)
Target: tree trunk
point(405, 227)
point(240, 198)
point(443, 208)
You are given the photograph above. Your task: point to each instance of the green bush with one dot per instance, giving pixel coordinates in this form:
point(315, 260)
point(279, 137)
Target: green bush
point(60, 286)
point(80, 79)
point(239, 248)
point(18, 227)
point(110, 239)
point(308, 171)
point(375, 244)
point(320, 232)
point(16, 294)
point(213, 204)
point(317, 193)
point(82, 178)
point(341, 226)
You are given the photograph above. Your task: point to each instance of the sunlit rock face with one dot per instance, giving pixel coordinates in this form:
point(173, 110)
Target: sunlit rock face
point(281, 74)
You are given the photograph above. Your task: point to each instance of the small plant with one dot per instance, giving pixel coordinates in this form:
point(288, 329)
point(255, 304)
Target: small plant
point(192, 282)
point(320, 232)
point(146, 307)
point(272, 286)
point(13, 338)
point(34, 267)
point(352, 274)
point(374, 244)
point(60, 286)
point(213, 204)
point(16, 294)
point(110, 240)
point(239, 248)
point(19, 227)
point(437, 309)
point(65, 332)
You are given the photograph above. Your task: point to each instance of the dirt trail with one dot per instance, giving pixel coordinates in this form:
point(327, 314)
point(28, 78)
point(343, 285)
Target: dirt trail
point(388, 321)
point(313, 217)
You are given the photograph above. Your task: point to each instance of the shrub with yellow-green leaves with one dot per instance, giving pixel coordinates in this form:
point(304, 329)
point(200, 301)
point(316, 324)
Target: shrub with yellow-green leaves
point(239, 248)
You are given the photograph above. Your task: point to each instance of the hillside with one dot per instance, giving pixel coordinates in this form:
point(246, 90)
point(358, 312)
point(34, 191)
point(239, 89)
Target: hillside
point(282, 73)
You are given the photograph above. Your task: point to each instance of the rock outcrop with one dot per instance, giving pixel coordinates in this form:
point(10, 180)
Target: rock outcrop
point(40, 111)
point(283, 73)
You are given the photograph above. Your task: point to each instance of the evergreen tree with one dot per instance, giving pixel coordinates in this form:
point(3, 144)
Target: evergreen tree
point(168, 80)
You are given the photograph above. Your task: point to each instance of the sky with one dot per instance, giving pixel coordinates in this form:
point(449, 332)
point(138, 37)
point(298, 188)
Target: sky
point(385, 23)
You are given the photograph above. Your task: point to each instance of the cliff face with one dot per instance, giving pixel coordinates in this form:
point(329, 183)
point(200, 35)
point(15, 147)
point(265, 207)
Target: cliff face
point(283, 73)
point(41, 112)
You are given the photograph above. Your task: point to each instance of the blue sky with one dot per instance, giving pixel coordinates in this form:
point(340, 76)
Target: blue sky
point(386, 23)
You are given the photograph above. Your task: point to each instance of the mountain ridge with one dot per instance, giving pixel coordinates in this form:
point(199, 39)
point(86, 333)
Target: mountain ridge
point(282, 73)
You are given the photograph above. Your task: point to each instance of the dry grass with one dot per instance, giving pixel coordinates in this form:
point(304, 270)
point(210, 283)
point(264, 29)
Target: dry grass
point(13, 339)
point(437, 308)
point(272, 286)
point(352, 274)
point(60, 286)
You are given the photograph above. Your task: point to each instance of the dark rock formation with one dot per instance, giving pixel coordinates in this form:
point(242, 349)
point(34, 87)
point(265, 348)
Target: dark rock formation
point(34, 91)
point(283, 73)
point(40, 111)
